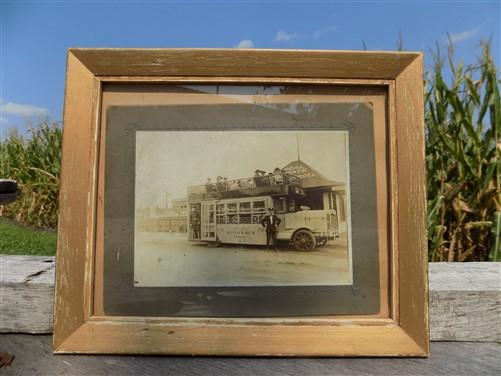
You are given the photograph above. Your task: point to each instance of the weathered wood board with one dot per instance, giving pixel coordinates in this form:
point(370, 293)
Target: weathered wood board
point(34, 357)
point(465, 301)
point(26, 294)
point(465, 298)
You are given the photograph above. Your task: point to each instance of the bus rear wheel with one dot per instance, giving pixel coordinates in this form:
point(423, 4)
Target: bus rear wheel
point(304, 241)
point(215, 243)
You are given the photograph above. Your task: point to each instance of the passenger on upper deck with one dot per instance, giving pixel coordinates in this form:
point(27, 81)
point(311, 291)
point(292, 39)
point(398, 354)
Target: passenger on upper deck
point(260, 178)
point(246, 183)
point(233, 184)
point(271, 179)
point(209, 186)
point(278, 176)
point(220, 184)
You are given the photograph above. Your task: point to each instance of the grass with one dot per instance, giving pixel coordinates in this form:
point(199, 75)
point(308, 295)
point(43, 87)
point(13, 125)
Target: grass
point(16, 239)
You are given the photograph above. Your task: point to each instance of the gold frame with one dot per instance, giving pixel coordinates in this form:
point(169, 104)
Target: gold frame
point(77, 330)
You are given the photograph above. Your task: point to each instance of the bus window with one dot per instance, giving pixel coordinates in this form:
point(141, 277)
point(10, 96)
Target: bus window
point(258, 211)
point(232, 218)
point(220, 219)
point(256, 218)
point(245, 218)
point(211, 214)
point(258, 205)
point(280, 204)
point(232, 208)
point(245, 207)
point(219, 208)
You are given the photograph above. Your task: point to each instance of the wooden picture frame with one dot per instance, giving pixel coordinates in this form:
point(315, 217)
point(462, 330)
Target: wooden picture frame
point(80, 325)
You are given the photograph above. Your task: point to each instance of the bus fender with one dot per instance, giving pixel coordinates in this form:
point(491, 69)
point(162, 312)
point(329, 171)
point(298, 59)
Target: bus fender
point(299, 229)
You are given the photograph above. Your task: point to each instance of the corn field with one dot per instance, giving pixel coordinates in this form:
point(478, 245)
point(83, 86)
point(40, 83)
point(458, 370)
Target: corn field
point(34, 162)
point(463, 129)
point(463, 148)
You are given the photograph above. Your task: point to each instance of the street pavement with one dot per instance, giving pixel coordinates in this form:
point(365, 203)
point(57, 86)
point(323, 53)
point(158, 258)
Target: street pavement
point(169, 259)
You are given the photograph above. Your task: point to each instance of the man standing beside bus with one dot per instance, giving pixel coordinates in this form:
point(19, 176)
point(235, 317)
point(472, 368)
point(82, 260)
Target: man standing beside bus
point(271, 222)
point(195, 223)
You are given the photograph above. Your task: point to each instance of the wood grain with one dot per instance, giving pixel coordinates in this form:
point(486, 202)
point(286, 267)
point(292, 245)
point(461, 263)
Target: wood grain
point(464, 299)
point(34, 357)
point(76, 200)
point(277, 339)
point(26, 294)
point(244, 63)
point(393, 202)
point(411, 204)
point(74, 328)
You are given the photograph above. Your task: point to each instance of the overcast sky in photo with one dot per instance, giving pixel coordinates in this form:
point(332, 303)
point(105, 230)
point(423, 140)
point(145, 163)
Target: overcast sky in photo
point(160, 156)
point(35, 35)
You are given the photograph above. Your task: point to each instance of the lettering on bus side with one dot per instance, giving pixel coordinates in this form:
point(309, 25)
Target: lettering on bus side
point(241, 233)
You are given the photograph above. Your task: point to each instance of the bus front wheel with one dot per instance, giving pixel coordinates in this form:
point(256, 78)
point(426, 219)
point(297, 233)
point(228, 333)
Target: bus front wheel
point(304, 241)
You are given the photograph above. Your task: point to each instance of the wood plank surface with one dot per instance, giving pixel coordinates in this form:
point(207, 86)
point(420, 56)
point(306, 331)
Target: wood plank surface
point(26, 294)
point(464, 298)
point(465, 301)
point(34, 357)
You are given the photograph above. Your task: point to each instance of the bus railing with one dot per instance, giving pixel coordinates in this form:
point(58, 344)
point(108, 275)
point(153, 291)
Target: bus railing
point(260, 183)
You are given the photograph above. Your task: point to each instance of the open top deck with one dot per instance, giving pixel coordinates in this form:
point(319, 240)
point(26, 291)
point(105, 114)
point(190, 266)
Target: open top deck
point(272, 184)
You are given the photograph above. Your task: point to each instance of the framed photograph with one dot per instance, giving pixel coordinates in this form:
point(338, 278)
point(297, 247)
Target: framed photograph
point(242, 202)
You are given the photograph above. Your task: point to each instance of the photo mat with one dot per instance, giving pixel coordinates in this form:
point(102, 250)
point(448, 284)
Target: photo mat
point(120, 296)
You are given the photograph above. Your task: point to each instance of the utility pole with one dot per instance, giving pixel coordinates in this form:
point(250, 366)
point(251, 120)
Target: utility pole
point(297, 145)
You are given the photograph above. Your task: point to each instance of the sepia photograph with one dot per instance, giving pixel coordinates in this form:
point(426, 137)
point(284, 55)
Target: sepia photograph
point(242, 208)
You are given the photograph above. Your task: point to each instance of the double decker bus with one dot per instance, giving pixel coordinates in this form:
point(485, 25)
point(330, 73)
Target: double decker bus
point(231, 212)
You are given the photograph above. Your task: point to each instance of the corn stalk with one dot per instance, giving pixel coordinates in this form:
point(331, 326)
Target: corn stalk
point(463, 128)
point(35, 162)
point(463, 149)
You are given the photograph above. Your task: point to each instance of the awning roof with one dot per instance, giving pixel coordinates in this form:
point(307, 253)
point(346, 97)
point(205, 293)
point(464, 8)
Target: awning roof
point(311, 177)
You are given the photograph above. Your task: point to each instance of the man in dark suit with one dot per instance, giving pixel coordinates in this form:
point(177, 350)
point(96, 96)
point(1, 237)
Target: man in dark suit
point(271, 222)
point(195, 223)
